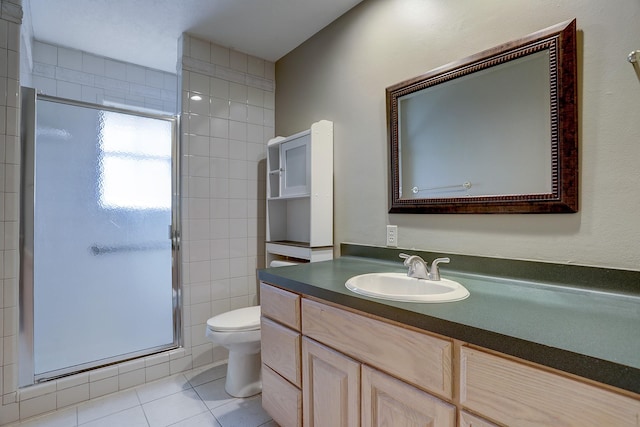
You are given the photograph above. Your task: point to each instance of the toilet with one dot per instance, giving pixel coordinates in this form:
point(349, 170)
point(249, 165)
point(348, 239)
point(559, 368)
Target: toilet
point(239, 332)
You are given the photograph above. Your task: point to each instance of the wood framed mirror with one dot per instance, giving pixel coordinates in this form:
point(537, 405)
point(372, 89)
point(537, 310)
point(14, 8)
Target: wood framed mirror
point(496, 132)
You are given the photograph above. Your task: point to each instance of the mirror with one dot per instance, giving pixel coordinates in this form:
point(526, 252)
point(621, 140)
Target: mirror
point(492, 133)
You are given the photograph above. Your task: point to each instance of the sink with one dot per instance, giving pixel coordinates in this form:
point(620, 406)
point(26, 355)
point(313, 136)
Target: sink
point(400, 287)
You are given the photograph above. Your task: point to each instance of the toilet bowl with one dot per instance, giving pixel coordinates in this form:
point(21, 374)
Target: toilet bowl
point(239, 332)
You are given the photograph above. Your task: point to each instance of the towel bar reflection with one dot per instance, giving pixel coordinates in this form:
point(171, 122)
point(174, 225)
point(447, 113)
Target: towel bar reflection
point(110, 249)
point(461, 187)
point(634, 59)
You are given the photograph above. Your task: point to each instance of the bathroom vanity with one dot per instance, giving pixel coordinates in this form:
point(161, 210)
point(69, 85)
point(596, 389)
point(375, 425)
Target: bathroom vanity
point(331, 357)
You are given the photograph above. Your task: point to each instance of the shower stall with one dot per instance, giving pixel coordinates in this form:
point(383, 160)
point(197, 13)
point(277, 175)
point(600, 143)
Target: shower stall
point(99, 239)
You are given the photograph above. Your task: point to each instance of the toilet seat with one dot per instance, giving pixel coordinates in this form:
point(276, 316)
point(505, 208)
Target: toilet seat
point(242, 319)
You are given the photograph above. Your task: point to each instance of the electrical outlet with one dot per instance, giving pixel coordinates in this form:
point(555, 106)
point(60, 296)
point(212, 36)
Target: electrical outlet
point(392, 235)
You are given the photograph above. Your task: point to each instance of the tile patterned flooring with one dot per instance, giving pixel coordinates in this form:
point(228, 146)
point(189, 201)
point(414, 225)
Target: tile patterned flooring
point(191, 399)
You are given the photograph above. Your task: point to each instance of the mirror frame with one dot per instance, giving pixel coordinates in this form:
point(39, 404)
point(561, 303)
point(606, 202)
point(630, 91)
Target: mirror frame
point(560, 40)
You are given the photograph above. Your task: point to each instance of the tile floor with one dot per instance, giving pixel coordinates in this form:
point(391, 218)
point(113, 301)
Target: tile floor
point(191, 399)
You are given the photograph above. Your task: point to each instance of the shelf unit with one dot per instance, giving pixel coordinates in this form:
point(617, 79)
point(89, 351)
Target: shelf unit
point(300, 195)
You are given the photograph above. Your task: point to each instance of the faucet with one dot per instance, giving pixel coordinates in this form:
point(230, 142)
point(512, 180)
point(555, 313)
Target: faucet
point(418, 267)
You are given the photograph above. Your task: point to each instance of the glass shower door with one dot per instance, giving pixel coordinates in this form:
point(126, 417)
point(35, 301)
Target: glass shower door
point(103, 287)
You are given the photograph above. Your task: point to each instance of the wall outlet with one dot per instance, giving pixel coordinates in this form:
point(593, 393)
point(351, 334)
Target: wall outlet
point(392, 235)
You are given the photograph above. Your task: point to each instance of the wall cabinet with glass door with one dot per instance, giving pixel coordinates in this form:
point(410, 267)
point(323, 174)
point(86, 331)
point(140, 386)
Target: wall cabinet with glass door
point(300, 195)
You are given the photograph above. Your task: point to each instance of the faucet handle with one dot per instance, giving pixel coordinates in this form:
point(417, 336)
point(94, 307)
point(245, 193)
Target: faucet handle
point(434, 271)
point(417, 267)
point(410, 259)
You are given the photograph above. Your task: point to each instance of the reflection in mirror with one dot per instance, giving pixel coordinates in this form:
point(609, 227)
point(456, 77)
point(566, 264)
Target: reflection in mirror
point(495, 132)
point(470, 148)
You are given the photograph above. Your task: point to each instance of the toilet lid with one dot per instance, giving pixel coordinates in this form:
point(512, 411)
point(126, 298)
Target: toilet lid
point(242, 319)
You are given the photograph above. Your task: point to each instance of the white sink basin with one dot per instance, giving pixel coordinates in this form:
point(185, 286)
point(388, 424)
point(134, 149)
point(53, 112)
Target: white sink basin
point(400, 287)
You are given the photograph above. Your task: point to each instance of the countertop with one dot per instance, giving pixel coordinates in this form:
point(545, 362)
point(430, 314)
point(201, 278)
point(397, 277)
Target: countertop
point(590, 333)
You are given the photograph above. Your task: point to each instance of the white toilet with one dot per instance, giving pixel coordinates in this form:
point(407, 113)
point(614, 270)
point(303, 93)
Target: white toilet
point(239, 332)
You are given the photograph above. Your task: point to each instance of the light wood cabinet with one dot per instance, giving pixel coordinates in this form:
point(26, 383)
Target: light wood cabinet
point(281, 352)
point(280, 399)
point(414, 357)
point(469, 420)
point(342, 380)
point(280, 305)
point(337, 345)
point(360, 370)
point(387, 401)
point(331, 387)
point(518, 394)
point(342, 392)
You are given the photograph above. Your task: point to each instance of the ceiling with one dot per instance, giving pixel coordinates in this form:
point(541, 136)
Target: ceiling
point(146, 32)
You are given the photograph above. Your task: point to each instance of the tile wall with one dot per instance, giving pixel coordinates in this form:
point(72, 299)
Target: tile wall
point(223, 182)
point(82, 76)
point(77, 75)
point(223, 150)
point(10, 18)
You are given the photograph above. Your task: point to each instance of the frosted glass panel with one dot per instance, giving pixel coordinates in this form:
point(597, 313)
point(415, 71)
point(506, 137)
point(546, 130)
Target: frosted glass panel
point(102, 253)
point(130, 151)
point(296, 166)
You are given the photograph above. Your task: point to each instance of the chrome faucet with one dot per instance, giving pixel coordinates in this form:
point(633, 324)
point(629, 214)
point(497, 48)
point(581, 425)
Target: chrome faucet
point(418, 267)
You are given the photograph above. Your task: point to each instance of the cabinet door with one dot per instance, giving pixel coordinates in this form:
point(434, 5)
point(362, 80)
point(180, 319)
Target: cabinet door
point(517, 394)
point(295, 161)
point(280, 399)
point(387, 401)
point(330, 387)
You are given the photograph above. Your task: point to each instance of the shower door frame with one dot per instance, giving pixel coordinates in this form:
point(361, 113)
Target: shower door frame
point(26, 368)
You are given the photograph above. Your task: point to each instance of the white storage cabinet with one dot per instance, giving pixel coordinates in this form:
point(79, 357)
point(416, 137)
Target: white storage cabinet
point(300, 195)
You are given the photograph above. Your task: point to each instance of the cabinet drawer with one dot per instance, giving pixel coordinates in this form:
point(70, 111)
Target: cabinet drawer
point(515, 393)
point(281, 350)
point(412, 356)
point(280, 305)
point(469, 420)
point(280, 399)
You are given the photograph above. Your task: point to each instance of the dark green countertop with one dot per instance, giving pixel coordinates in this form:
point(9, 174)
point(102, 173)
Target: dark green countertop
point(590, 333)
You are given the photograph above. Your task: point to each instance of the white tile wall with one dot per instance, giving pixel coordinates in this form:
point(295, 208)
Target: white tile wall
point(77, 75)
point(223, 150)
point(222, 155)
point(82, 76)
point(224, 139)
point(10, 18)
point(61, 393)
